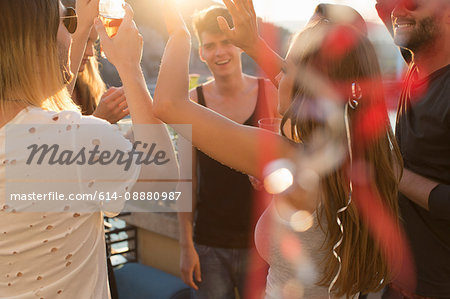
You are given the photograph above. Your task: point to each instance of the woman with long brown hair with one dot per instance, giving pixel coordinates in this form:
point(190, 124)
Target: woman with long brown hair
point(342, 154)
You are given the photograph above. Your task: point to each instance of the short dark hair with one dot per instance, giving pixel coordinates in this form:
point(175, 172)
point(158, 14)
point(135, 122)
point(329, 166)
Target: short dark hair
point(206, 20)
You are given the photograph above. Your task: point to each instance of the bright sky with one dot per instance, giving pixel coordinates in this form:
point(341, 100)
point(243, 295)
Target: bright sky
point(301, 10)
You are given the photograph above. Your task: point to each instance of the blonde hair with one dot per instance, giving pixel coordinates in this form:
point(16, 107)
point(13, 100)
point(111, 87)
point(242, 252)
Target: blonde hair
point(90, 87)
point(30, 71)
point(365, 266)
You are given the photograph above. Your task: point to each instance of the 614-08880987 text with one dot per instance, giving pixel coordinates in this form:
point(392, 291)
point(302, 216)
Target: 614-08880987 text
point(102, 196)
point(142, 196)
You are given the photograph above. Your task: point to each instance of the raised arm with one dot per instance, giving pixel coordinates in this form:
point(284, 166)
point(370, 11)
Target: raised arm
point(124, 51)
point(245, 36)
point(87, 11)
point(224, 140)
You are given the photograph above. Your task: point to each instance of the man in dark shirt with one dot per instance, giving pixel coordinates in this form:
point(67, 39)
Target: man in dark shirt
point(423, 134)
point(215, 244)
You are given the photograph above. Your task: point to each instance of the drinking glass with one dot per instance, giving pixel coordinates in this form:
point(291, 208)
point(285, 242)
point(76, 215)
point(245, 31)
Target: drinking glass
point(271, 123)
point(111, 13)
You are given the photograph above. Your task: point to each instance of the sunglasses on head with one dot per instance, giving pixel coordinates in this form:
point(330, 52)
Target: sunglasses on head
point(70, 20)
point(385, 7)
point(410, 5)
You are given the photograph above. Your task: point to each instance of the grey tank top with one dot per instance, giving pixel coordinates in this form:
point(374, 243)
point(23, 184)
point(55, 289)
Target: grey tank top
point(293, 250)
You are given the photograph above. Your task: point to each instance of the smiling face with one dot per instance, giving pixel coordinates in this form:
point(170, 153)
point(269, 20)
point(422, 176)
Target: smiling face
point(221, 56)
point(417, 23)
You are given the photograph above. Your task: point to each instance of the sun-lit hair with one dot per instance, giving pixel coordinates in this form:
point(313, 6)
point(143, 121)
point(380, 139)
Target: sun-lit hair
point(206, 20)
point(89, 87)
point(30, 70)
point(342, 55)
point(341, 14)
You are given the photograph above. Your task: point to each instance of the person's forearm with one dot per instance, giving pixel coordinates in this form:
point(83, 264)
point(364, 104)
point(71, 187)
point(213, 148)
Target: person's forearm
point(141, 111)
point(269, 61)
point(139, 101)
point(173, 79)
point(417, 188)
point(185, 224)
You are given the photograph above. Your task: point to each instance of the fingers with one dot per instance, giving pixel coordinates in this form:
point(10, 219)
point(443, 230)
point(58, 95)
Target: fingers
point(231, 8)
point(112, 94)
point(124, 113)
point(128, 21)
point(188, 278)
point(223, 25)
point(118, 115)
point(121, 106)
point(241, 6)
point(197, 272)
point(129, 13)
point(100, 28)
point(109, 91)
point(118, 99)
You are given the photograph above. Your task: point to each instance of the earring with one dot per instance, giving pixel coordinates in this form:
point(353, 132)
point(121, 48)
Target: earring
point(353, 103)
point(356, 95)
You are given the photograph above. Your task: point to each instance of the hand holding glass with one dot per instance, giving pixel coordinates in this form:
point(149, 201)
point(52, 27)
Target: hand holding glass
point(111, 13)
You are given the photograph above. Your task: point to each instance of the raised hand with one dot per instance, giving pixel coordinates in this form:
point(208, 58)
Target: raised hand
point(112, 106)
point(87, 11)
point(245, 32)
point(124, 50)
point(172, 17)
point(245, 36)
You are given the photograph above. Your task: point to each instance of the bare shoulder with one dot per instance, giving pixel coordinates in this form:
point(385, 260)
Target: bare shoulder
point(207, 88)
point(252, 80)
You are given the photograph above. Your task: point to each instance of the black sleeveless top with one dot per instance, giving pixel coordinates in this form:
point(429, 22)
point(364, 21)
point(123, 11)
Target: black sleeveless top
point(224, 209)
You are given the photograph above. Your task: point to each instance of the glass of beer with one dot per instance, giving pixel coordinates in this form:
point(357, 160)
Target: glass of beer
point(272, 124)
point(111, 13)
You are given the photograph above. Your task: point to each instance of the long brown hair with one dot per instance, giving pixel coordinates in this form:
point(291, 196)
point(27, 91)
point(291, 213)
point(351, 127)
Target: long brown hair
point(31, 73)
point(365, 266)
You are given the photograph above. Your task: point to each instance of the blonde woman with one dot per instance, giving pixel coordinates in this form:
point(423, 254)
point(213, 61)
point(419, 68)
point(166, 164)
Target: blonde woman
point(47, 249)
point(348, 261)
point(90, 91)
